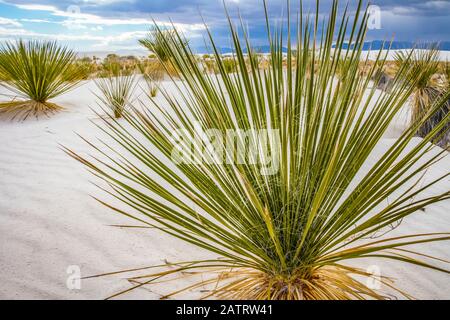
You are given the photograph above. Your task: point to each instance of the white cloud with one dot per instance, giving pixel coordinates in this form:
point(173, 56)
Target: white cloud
point(438, 5)
point(37, 20)
point(94, 19)
point(76, 17)
point(87, 27)
point(36, 7)
point(104, 2)
point(406, 11)
point(105, 40)
point(10, 22)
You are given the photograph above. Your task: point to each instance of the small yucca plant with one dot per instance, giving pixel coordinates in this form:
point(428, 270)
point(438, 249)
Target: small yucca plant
point(286, 233)
point(447, 73)
point(230, 65)
point(423, 65)
point(152, 75)
point(116, 92)
point(153, 90)
point(209, 66)
point(342, 68)
point(36, 72)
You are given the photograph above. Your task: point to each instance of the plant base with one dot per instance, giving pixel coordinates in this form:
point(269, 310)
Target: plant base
point(21, 110)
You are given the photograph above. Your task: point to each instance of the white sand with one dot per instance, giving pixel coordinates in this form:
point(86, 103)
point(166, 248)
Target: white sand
point(442, 56)
point(48, 220)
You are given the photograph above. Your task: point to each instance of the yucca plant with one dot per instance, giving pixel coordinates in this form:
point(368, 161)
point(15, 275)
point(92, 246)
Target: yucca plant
point(116, 92)
point(286, 233)
point(152, 75)
point(36, 72)
point(156, 41)
point(447, 73)
point(425, 64)
point(209, 65)
point(230, 65)
point(153, 90)
point(342, 67)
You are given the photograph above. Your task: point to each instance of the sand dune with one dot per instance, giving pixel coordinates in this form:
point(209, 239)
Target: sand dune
point(48, 221)
point(442, 56)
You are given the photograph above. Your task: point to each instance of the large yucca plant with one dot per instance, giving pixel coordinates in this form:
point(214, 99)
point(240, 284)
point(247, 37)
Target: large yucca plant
point(36, 72)
point(285, 234)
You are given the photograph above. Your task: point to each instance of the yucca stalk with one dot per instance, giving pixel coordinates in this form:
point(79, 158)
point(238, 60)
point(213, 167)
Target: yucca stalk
point(425, 63)
point(36, 72)
point(116, 93)
point(285, 234)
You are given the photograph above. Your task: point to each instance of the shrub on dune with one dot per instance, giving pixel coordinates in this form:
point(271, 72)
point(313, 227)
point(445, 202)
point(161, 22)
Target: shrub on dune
point(36, 72)
point(286, 233)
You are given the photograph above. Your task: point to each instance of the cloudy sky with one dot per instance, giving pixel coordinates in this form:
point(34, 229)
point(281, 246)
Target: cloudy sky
point(108, 25)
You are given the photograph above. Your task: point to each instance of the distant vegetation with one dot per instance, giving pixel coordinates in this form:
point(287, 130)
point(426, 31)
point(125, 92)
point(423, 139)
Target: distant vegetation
point(158, 66)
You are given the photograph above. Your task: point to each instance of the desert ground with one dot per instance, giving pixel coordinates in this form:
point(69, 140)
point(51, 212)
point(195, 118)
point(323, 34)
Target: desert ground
point(49, 220)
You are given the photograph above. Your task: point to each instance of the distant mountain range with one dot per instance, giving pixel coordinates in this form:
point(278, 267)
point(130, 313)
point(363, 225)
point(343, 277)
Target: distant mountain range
point(398, 45)
point(373, 45)
point(226, 50)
